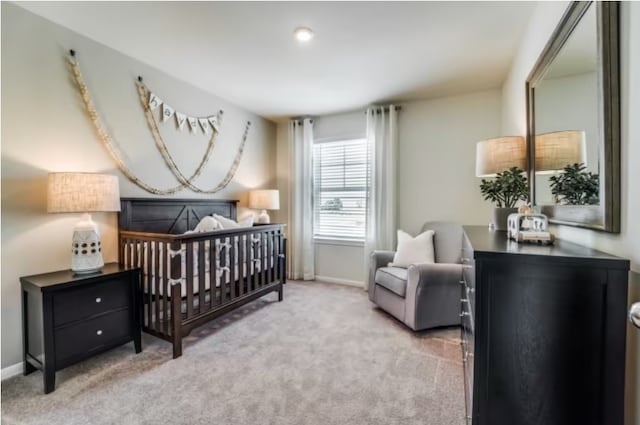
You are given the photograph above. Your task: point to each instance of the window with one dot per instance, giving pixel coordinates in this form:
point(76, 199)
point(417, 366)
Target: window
point(340, 189)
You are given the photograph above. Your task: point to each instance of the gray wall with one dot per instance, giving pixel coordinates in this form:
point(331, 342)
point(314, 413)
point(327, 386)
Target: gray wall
point(45, 128)
point(436, 168)
point(627, 243)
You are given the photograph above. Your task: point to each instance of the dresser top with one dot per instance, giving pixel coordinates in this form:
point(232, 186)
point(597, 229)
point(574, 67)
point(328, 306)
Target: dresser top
point(490, 242)
point(46, 280)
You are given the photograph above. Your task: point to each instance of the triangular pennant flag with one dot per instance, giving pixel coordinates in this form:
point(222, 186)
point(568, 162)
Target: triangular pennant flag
point(154, 101)
point(193, 123)
point(167, 112)
point(204, 123)
point(180, 119)
point(213, 121)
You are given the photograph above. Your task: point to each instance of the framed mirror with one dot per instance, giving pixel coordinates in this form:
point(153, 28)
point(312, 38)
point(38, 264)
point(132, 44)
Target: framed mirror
point(573, 120)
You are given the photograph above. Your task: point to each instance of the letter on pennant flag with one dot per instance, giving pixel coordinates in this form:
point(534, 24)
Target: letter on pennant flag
point(154, 101)
point(180, 119)
point(204, 123)
point(213, 121)
point(167, 112)
point(193, 124)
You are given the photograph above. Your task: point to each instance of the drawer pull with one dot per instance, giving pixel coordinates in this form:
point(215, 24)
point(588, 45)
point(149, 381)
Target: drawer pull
point(464, 300)
point(98, 300)
point(461, 282)
point(99, 332)
point(464, 313)
point(472, 290)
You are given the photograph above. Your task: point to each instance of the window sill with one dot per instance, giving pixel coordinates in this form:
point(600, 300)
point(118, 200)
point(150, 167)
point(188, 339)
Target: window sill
point(339, 242)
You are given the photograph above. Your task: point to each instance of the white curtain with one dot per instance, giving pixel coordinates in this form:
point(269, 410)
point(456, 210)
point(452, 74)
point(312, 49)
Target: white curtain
point(301, 247)
point(382, 142)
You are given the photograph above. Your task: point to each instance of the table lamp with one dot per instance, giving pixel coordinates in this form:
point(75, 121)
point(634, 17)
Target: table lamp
point(84, 192)
point(557, 149)
point(500, 154)
point(267, 199)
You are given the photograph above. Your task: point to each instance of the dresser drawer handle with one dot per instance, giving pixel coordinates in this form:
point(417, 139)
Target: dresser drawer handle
point(472, 290)
point(464, 313)
point(464, 300)
point(99, 332)
point(98, 300)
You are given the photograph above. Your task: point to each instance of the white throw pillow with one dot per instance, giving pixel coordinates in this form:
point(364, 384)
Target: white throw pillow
point(207, 224)
point(413, 250)
point(227, 223)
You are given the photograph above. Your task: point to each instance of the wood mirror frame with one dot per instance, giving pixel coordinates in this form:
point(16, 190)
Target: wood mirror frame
point(606, 217)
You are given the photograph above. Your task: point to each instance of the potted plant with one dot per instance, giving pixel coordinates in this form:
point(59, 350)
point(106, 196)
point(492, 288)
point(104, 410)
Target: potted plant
point(505, 191)
point(575, 186)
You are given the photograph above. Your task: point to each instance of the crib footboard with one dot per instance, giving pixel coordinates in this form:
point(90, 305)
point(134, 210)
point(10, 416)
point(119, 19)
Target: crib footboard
point(189, 280)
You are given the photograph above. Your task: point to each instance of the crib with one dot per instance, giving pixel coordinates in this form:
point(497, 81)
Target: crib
point(190, 279)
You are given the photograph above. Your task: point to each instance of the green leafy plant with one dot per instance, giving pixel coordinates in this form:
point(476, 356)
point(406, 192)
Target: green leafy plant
point(507, 188)
point(575, 186)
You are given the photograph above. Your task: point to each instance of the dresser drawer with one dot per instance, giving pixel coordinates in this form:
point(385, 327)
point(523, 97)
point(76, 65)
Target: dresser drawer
point(78, 341)
point(466, 314)
point(89, 300)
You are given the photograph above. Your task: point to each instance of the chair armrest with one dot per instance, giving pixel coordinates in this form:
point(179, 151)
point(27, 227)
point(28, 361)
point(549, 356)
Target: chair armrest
point(420, 275)
point(433, 295)
point(377, 259)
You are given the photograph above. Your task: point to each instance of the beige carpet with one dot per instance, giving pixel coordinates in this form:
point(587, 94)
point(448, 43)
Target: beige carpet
point(324, 356)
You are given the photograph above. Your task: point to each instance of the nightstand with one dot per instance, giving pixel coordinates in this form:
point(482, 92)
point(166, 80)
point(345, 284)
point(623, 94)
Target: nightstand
point(68, 317)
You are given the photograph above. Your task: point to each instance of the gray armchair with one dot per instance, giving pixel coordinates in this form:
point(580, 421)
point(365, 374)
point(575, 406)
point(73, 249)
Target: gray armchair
point(424, 295)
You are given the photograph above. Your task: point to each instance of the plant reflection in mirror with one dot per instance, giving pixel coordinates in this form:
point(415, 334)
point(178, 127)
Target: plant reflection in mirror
point(575, 186)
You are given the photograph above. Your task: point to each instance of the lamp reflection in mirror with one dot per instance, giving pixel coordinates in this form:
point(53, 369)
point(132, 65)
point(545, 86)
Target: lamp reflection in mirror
point(556, 150)
point(500, 154)
point(84, 192)
point(266, 199)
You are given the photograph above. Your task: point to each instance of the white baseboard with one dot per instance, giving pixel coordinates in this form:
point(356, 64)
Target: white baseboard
point(11, 371)
point(340, 281)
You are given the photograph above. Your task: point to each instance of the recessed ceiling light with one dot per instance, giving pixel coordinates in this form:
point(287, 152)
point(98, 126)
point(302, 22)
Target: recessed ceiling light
point(303, 34)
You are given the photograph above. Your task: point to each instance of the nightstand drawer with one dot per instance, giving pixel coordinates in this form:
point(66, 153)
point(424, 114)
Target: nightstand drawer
point(76, 304)
point(80, 340)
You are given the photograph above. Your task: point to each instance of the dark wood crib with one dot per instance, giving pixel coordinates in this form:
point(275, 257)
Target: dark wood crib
point(190, 279)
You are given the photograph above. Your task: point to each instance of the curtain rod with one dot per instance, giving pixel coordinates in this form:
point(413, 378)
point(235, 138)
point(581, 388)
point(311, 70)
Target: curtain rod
point(384, 108)
point(300, 120)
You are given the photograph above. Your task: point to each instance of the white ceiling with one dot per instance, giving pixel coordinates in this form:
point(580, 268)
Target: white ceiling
point(363, 52)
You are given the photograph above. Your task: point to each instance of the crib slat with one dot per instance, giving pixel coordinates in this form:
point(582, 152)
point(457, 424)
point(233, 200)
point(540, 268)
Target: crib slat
point(165, 287)
point(145, 262)
point(251, 255)
point(232, 267)
point(263, 259)
point(189, 278)
point(213, 255)
point(201, 277)
point(134, 254)
point(155, 277)
point(241, 265)
point(270, 257)
point(276, 256)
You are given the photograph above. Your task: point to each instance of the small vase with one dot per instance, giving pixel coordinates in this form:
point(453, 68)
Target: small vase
point(500, 216)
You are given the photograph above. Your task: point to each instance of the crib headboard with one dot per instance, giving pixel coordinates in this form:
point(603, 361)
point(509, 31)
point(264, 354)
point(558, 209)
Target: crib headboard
point(173, 216)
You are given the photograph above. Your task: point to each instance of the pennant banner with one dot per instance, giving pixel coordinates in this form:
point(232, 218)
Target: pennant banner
point(204, 123)
point(213, 121)
point(167, 112)
point(195, 123)
point(180, 119)
point(154, 101)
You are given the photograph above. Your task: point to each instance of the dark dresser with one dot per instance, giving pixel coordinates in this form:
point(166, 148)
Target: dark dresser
point(68, 318)
point(543, 332)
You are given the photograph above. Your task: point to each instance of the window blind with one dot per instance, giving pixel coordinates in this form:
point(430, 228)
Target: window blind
point(340, 189)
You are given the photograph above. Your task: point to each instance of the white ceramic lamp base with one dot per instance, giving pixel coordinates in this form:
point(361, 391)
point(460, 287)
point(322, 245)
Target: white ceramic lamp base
point(86, 248)
point(263, 218)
